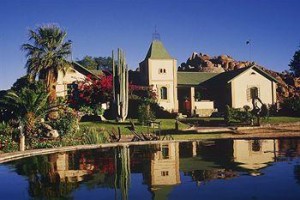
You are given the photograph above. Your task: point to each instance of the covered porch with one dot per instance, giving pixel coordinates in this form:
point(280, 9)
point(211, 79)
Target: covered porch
point(192, 102)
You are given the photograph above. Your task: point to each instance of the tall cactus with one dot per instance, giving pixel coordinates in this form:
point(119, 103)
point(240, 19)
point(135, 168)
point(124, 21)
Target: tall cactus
point(120, 85)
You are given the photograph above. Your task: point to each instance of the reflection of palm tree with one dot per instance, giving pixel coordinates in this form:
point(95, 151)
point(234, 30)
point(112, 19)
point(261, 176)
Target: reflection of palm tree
point(297, 173)
point(43, 182)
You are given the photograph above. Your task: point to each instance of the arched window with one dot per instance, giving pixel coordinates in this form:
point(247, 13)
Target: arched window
point(254, 92)
point(163, 93)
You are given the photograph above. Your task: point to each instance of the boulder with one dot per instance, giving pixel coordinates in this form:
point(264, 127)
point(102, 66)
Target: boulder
point(296, 82)
point(52, 134)
point(208, 64)
point(46, 127)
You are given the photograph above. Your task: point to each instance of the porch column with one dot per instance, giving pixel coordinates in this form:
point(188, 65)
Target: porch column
point(194, 148)
point(192, 100)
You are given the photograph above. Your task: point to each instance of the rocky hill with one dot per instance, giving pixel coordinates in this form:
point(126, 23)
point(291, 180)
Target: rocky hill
point(288, 85)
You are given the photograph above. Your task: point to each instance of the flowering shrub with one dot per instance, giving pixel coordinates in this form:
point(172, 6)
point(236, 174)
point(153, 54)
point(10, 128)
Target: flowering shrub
point(67, 123)
point(7, 144)
point(143, 93)
point(88, 95)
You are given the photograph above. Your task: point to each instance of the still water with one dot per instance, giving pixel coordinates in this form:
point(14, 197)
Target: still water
point(215, 169)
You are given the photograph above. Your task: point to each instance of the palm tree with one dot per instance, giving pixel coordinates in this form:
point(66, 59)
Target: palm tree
point(47, 56)
point(29, 105)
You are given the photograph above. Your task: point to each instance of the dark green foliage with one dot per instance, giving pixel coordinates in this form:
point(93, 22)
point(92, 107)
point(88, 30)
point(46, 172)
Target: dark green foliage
point(47, 54)
point(67, 123)
point(94, 136)
point(291, 106)
point(94, 63)
point(145, 113)
point(237, 115)
point(295, 64)
point(264, 111)
point(7, 144)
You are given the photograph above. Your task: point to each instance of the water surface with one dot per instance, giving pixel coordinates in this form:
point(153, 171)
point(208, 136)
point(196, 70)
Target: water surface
point(215, 169)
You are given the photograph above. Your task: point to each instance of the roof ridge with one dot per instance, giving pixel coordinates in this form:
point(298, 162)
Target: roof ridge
point(157, 51)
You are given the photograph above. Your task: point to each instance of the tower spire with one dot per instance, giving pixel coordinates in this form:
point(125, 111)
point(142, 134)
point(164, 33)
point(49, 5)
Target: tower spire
point(155, 35)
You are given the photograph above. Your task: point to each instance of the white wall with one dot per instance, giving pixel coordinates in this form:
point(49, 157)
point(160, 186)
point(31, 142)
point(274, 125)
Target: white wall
point(239, 86)
point(168, 80)
point(244, 154)
point(69, 77)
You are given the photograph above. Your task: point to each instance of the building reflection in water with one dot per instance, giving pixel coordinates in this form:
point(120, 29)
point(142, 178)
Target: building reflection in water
point(164, 165)
point(58, 175)
point(61, 168)
point(254, 154)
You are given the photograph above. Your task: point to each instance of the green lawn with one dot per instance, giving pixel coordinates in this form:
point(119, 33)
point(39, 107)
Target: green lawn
point(169, 124)
point(280, 119)
point(166, 124)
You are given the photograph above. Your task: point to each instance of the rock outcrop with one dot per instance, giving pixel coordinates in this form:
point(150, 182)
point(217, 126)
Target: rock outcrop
point(288, 85)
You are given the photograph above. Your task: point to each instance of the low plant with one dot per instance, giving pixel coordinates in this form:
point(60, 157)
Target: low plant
point(237, 115)
point(94, 136)
point(7, 144)
point(145, 113)
point(291, 106)
point(67, 123)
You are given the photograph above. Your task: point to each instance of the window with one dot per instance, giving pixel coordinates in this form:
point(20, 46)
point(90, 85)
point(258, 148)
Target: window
point(165, 152)
point(164, 173)
point(163, 93)
point(256, 145)
point(252, 93)
point(162, 71)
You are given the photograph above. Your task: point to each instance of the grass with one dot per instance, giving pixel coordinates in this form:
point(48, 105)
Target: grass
point(280, 119)
point(169, 124)
point(166, 125)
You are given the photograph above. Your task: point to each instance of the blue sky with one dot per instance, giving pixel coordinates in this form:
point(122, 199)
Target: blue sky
point(213, 27)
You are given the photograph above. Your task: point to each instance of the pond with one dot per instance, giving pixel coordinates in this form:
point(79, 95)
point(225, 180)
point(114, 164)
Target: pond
point(214, 169)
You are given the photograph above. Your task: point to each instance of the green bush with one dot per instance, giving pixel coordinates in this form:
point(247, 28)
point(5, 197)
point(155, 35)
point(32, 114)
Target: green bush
point(237, 115)
point(94, 110)
point(7, 144)
point(94, 136)
point(291, 106)
point(145, 113)
point(67, 123)
point(265, 112)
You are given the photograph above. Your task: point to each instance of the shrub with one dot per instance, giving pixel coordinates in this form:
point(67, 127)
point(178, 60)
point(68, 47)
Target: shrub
point(7, 144)
point(92, 110)
point(291, 106)
point(67, 123)
point(145, 113)
point(237, 115)
point(265, 113)
point(94, 136)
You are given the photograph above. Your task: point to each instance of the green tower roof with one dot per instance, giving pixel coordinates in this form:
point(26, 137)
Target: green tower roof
point(157, 51)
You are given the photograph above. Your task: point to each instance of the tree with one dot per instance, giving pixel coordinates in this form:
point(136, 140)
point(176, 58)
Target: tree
point(88, 62)
point(93, 63)
point(29, 105)
point(47, 55)
point(89, 94)
point(295, 64)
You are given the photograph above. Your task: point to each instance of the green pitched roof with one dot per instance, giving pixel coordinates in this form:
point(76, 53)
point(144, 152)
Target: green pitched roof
point(226, 77)
point(210, 79)
point(157, 51)
point(97, 72)
point(194, 78)
point(85, 71)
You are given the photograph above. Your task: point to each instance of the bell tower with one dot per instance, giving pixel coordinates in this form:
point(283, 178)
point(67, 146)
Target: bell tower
point(159, 70)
